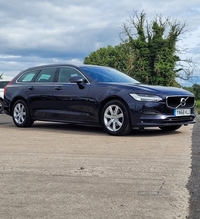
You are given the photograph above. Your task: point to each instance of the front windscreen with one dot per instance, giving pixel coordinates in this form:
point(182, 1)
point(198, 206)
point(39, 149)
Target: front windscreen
point(107, 74)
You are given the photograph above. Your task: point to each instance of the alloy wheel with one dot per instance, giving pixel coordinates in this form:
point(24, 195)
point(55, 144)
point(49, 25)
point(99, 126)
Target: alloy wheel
point(113, 118)
point(19, 113)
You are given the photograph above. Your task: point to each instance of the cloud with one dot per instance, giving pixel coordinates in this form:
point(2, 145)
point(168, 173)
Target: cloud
point(41, 32)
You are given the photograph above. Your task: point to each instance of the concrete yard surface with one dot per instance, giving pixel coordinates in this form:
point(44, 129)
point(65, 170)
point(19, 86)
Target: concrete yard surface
point(54, 170)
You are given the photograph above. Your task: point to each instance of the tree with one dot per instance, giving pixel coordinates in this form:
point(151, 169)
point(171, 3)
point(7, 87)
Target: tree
point(148, 51)
point(1, 75)
point(196, 91)
point(155, 52)
point(116, 57)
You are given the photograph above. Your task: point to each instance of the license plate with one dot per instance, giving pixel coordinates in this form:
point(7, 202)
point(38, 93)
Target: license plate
point(182, 112)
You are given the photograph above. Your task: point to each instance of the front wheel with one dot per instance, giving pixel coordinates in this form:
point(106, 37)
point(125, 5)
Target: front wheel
point(21, 115)
point(170, 128)
point(115, 118)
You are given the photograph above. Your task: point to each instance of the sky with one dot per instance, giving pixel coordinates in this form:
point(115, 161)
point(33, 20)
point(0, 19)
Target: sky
point(37, 32)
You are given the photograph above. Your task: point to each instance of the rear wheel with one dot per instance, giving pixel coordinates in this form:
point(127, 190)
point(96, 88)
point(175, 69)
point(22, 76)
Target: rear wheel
point(1, 106)
point(21, 115)
point(115, 118)
point(170, 128)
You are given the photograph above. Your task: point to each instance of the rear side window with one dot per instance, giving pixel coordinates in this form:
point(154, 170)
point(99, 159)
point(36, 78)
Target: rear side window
point(46, 75)
point(27, 77)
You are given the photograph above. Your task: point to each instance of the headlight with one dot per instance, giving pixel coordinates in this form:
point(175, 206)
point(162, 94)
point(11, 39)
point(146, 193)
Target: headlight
point(146, 97)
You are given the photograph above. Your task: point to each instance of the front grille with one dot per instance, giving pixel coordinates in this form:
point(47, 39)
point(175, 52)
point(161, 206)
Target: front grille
point(180, 102)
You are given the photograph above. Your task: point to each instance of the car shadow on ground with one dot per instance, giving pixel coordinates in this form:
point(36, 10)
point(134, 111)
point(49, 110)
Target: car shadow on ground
point(86, 130)
point(91, 130)
point(72, 128)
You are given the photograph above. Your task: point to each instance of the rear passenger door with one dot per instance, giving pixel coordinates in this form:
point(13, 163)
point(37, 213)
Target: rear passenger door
point(40, 93)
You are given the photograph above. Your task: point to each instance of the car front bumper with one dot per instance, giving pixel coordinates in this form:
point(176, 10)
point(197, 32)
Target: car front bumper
point(158, 115)
point(165, 120)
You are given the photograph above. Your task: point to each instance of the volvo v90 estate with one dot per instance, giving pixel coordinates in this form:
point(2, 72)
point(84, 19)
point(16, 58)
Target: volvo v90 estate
point(95, 95)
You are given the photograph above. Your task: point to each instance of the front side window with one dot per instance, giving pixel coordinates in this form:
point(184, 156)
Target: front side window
point(66, 73)
point(46, 75)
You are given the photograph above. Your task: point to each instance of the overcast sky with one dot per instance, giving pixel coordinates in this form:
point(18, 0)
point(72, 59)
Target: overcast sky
point(35, 32)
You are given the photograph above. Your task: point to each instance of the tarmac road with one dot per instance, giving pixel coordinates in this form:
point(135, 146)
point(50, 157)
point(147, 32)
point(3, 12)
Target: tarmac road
point(62, 171)
point(194, 180)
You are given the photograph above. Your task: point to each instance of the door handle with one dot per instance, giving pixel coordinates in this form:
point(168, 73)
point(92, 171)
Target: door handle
point(31, 88)
point(58, 88)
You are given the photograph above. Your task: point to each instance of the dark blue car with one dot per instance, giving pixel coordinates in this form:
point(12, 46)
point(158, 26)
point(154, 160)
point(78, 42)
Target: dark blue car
point(95, 95)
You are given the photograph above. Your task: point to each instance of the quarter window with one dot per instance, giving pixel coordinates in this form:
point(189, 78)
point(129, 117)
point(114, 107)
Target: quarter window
point(27, 77)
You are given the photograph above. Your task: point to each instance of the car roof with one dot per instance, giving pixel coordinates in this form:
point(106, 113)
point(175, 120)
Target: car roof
point(58, 65)
point(49, 65)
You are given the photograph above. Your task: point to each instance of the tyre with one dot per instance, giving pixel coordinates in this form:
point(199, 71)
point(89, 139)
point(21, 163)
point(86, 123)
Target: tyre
point(1, 106)
point(21, 115)
point(170, 128)
point(115, 118)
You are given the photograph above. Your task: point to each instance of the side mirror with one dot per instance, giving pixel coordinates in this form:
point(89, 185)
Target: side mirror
point(78, 80)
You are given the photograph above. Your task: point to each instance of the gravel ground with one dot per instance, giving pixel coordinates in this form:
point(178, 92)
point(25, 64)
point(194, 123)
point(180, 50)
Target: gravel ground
point(194, 181)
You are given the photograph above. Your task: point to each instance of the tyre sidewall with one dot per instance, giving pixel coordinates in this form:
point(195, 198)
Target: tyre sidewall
point(27, 117)
point(125, 113)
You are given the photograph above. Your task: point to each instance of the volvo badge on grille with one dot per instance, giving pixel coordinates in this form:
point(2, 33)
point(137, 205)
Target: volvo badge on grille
point(182, 102)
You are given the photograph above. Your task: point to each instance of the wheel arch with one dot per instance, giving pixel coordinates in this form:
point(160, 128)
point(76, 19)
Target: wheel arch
point(108, 99)
point(21, 114)
point(16, 99)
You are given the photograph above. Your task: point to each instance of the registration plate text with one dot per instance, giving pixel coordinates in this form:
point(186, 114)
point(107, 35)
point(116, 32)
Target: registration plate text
point(182, 112)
